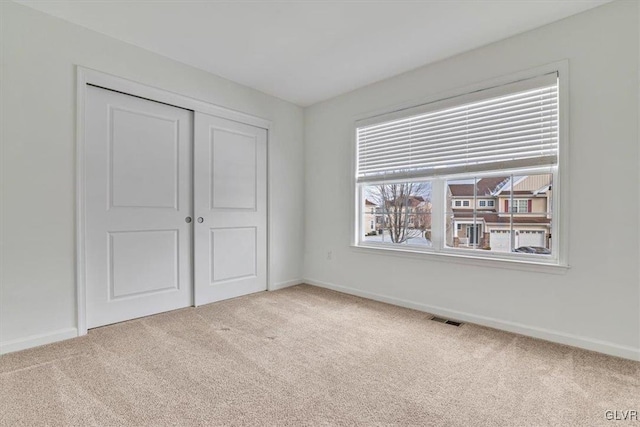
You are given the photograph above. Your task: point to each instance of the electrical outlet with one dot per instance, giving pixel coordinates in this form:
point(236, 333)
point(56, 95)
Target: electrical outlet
point(330, 255)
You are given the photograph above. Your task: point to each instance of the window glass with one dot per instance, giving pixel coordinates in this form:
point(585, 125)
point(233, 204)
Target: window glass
point(402, 213)
point(521, 226)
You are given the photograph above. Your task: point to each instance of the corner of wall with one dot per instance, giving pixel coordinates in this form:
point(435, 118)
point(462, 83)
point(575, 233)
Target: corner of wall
point(286, 284)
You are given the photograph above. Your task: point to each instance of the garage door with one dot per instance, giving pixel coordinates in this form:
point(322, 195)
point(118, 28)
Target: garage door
point(500, 240)
point(530, 238)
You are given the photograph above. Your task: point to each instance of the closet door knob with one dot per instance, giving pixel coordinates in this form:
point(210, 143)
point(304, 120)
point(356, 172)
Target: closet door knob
point(187, 219)
point(200, 220)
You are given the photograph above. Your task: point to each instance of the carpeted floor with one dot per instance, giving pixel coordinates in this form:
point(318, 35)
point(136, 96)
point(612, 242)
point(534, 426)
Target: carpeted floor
point(309, 356)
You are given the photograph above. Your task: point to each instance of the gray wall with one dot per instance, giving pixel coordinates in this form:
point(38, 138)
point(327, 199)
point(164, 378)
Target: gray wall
point(39, 54)
point(595, 304)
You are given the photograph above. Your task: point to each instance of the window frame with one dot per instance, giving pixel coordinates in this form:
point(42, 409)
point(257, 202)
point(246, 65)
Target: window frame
point(438, 216)
point(559, 229)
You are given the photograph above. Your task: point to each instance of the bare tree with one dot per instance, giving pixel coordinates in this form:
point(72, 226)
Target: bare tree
point(398, 203)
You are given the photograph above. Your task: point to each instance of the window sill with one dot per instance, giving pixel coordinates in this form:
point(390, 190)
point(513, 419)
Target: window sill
point(459, 258)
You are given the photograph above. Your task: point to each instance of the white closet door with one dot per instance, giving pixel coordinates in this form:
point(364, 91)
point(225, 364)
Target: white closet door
point(138, 195)
point(230, 190)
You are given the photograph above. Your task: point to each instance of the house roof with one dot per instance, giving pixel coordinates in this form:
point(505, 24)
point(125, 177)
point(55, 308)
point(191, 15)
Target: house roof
point(485, 187)
point(367, 202)
point(494, 218)
point(461, 190)
point(517, 193)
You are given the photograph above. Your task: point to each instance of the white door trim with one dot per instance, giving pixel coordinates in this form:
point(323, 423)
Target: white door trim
point(85, 76)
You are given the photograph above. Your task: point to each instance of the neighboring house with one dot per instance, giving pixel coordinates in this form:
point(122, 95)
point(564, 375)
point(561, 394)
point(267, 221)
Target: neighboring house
point(491, 225)
point(416, 211)
point(423, 217)
point(369, 220)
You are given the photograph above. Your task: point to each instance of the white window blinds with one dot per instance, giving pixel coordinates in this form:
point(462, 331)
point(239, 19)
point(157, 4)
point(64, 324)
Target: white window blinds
point(510, 126)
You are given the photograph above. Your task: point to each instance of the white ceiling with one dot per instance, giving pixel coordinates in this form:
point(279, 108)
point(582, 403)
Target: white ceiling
point(309, 51)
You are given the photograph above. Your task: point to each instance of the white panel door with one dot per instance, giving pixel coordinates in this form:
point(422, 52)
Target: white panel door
point(138, 195)
point(230, 190)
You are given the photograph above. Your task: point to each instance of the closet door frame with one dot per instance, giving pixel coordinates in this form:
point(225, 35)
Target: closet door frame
point(88, 77)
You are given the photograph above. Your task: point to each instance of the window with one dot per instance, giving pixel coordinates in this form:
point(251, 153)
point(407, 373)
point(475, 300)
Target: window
point(497, 148)
point(518, 206)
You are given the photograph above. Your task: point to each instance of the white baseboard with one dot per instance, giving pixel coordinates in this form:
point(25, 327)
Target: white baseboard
point(64, 334)
point(518, 328)
point(286, 284)
point(37, 340)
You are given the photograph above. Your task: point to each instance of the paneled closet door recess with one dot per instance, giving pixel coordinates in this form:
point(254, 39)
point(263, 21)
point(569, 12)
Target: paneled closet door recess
point(138, 198)
point(230, 207)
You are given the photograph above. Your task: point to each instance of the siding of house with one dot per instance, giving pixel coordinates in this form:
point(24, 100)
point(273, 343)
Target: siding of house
point(369, 218)
point(533, 182)
point(539, 205)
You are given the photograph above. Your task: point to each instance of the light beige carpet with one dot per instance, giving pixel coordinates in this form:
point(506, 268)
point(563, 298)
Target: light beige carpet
point(308, 356)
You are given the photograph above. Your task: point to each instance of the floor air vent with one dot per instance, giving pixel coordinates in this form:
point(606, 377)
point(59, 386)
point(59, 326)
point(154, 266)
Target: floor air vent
point(445, 321)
